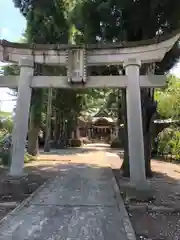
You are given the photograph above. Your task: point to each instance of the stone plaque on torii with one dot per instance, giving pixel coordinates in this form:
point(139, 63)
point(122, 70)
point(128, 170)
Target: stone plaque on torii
point(77, 59)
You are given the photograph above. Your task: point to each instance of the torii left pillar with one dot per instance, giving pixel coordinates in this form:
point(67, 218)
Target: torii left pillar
point(21, 118)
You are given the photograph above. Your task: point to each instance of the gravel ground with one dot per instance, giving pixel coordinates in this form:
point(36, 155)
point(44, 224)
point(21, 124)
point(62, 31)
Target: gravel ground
point(13, 192)
point(158, 218)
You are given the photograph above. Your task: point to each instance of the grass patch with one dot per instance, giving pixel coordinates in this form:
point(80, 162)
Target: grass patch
point(29, 158)
point(5, 158)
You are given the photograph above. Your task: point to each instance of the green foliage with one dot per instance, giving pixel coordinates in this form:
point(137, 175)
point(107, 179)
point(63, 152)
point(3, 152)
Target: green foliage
point(2, 134)
point(163, 140)
point(169, 142)
point(5, 157)
point(175, 143)
point(95, 99)
point(46, 23)
point(125, 20)
point(29, 158)
point(5, 114)
point(92, 21)
point(169, 99)
point(6, 125)
point(169, 107)
point(11, 70)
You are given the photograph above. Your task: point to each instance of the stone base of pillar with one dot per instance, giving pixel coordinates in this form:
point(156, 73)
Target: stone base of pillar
point(13, 176)
point(139, 192)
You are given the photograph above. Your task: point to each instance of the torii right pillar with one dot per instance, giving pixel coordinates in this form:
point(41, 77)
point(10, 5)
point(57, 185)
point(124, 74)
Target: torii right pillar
point(135, 127)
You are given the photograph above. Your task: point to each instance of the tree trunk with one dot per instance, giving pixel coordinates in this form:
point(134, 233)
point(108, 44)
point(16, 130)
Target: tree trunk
point(48, 122)
point(33, 143)
point(149, 107)
point(57, 129)
point(35, 115)
point(62, 134)
point(125, 165)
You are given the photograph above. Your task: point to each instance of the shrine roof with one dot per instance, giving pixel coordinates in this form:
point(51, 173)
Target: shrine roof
point(108, 119)
point(101, 113)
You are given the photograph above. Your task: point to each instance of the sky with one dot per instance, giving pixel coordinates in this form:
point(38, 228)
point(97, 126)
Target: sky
point(12, 26)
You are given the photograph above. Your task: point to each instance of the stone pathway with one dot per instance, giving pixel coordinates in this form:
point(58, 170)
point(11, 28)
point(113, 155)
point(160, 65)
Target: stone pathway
point(79, 204)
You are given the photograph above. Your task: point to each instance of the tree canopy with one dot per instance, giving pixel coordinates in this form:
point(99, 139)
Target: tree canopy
point(92, 21)
point(169, 99)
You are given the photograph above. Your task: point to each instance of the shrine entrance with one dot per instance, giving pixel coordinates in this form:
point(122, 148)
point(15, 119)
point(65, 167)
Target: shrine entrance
point(101, 130)
point(77, 60)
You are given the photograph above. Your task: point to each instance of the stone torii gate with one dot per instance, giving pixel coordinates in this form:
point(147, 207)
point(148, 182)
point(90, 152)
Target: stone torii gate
point(77, 59)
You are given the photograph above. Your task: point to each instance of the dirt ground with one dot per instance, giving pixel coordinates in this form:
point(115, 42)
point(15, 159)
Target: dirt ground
point(13, 192)
point(158, 218)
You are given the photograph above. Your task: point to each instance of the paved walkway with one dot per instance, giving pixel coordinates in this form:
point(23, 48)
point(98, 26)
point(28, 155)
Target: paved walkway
point(79, 204)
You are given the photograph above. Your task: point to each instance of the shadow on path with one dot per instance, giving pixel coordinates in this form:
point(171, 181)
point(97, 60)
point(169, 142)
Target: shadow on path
point(80, 203)
point(159, 218)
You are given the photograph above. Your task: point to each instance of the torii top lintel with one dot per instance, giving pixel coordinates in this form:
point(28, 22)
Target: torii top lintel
point(53, 54)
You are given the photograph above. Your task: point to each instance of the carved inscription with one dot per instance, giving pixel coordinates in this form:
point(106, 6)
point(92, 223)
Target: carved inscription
point(76, 65)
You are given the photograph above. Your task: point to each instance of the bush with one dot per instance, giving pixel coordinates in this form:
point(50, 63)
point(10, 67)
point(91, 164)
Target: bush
point(169, 142)
point(163, 141)
point(116, 143)
point(29, 158)
point(6, 158)
point(75, 143)
point(175, 145)
point(8, 125)
point(3, 133)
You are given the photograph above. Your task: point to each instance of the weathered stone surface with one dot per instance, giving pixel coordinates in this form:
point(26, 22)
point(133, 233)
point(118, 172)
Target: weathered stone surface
point(147, 51)
point(79, 186)
point(52, 222)
point(79, 204)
